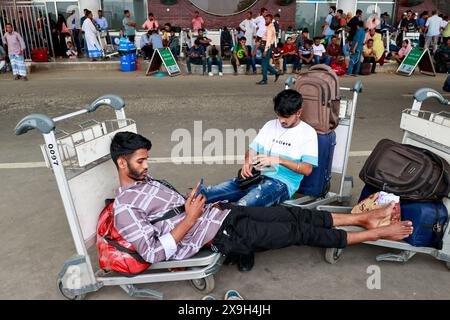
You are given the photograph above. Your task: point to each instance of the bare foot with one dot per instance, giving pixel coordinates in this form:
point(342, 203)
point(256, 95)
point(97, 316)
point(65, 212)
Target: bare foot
point(395, 231)
point(379, 217)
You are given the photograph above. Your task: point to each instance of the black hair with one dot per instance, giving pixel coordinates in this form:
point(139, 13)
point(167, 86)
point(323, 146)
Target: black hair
point(150, 14)
point(333, 8)
point(8, 24)
point(197, 42)
point(126, 143)
point(341, 11)
point(277, 15)
point(317, 38)
point(361, 24)
point(242, 38)
point(262, 10)
point(269, 15)
point(358, 11)
point(126, 11)
point(287, 102)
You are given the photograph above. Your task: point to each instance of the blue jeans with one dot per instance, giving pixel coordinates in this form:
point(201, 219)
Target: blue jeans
point(290, 59)
point(199, 61)
point(322, 59)
point(217, 61)
point(264, 194)
point(355, 62)
point(266, 66)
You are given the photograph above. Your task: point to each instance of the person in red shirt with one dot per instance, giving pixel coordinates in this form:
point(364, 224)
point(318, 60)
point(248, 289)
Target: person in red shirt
point(290, 55)
point(334, 51)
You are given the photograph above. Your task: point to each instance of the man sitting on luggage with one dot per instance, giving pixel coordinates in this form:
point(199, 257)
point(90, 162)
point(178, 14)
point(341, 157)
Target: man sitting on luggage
point(284, 150)
point(226, 228)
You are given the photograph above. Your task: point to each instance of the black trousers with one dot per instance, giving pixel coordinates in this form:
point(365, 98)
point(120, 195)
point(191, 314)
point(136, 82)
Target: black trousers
point(371, 60)
point(247, 61)
point(253, 229)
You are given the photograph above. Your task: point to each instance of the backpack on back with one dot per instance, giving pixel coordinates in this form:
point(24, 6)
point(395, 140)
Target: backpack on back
point(319, 88)
point(335, 23)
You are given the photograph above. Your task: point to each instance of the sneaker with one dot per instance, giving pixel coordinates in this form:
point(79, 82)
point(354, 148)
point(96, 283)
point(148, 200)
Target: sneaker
point(210, 74)
point(233, 295)
point(220, 74)
point(208, 297)
point(262, 82)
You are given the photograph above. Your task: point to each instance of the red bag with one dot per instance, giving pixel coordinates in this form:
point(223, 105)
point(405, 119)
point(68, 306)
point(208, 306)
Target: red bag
point(114, 252)
point(39, 55)
point(340, 69)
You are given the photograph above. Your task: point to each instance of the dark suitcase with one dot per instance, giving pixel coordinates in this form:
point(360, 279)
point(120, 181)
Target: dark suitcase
point(366, 68)
point(317, 184)
point(429, 219)
point(413, 173)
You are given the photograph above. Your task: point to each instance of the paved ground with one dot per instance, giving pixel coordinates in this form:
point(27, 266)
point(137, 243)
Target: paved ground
point(35, 234)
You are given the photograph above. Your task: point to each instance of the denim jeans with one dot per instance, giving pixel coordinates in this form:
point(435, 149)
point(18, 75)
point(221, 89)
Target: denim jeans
point(290, 59)
point(355, 62)
point(322, 59)
point(200, 61)
point(264, 194)
point(266, 66)
point(217, 61)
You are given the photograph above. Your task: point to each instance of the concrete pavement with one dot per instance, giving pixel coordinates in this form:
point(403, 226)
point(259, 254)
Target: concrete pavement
point(34, 230)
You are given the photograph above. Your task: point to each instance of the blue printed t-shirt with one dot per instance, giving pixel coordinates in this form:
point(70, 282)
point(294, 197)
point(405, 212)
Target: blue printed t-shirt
point(298, 144)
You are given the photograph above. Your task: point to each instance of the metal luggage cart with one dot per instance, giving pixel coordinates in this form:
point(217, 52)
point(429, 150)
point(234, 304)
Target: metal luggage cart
point(426, 130)
point(86, 176)
point(341, 153)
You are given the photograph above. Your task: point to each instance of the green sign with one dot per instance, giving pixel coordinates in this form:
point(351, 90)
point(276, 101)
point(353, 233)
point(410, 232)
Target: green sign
point(417, 57)
point(160, 57)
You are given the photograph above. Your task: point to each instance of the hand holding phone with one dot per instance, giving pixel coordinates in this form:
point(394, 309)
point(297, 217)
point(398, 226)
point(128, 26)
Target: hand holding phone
point(199, 189)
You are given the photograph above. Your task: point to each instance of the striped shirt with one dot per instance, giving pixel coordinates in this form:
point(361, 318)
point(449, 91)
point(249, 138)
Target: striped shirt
point(138, 204)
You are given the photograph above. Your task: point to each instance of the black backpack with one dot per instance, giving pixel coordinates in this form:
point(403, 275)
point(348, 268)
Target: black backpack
point(335, 23)
point(410, 172)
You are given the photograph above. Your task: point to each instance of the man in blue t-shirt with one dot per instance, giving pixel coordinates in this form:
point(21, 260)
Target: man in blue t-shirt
point(284, 151)
point(196, 55)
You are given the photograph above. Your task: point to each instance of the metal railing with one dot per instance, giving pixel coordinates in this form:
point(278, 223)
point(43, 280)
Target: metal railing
point(32, 22)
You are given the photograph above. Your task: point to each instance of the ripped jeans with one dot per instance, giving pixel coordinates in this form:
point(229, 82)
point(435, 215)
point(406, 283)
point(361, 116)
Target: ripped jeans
point(267, 193)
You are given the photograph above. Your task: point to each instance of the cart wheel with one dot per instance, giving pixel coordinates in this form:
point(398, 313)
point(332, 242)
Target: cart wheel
point(68, 295)
point(333, 255)
point(204, 285)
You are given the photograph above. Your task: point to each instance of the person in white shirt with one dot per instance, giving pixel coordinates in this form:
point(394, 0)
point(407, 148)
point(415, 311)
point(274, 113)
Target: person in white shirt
point(260, 23)
point(249, 28)
point(284, 151)
point(319, 52)
point(433, 25)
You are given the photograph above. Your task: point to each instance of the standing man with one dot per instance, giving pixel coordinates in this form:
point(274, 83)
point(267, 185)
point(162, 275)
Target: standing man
point(16, 48)
point(129, 26)
point(101, 21)
point(268, 41)
point(73, 24)
point(433, 26)
point(356, 50)
point(353, 23)
point(197, 22)
point(150, 23)
point(249, 28)
point(260, 23)
point(328, 32)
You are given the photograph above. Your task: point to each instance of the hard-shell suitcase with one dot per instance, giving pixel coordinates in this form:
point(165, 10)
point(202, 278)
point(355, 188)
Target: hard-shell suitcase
point(321, 98)
point(317, 184)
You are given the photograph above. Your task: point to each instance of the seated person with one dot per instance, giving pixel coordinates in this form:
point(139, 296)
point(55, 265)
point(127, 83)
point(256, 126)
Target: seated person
point(204, 41)
point(174, 44)
point(214, 56)
point(226, 228)
point(403, 52)
point(277, 57)
point(285, 150)
point(196, 55)
point(146, 45)
point(226, 42)
point(156, 40)
point(300, 39)
point(71, 51)
point(242, 54)
point(257, 54)
point(306, 54)
point(378, 46)
point(334, 51)
point(2, 60)
point(320, 52)
point(166, 34)
point(442, 57)
point(290, 55)
point(369, 55)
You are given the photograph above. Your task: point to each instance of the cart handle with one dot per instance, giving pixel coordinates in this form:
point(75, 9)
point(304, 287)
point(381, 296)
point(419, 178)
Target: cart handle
point(37, 121)
point(115, 102)
point(358, 86)
point(425, 93)
point(290, 81)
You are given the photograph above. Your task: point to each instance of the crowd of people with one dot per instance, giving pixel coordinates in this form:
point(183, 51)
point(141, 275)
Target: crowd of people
point(351, 45)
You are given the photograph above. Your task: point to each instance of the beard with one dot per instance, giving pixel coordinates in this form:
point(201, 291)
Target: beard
point(135, 174)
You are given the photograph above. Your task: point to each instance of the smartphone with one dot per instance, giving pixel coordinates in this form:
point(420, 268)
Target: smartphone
point(200, 189)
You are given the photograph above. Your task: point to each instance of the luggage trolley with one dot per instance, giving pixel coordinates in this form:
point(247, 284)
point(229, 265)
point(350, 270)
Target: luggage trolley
point(426, 130)
point(86, 176)
point(341, 153)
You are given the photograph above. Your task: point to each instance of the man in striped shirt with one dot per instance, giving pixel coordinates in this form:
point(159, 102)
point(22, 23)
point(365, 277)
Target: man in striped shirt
point(143, 205)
